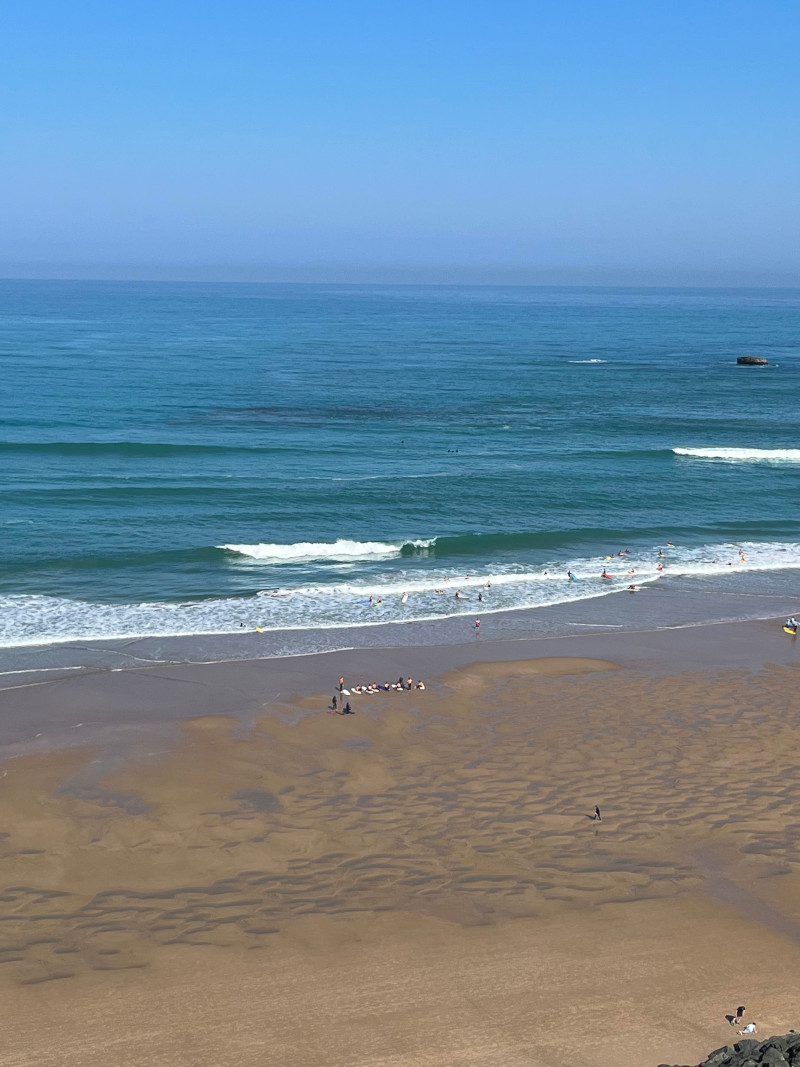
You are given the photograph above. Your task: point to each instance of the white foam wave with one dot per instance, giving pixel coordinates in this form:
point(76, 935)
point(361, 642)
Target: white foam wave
point(587, 361)
point(743, 455)
point(308, 551)
point(32, 620)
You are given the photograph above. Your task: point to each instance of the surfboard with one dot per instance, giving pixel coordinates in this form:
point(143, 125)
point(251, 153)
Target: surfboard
point(789, 630)
point(346, 692)
point(404, 598)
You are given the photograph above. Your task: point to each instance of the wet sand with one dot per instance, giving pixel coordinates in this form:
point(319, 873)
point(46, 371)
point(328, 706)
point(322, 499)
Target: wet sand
point(419, 883)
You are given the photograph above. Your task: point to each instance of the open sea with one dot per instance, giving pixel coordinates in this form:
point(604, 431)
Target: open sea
point(196, 459)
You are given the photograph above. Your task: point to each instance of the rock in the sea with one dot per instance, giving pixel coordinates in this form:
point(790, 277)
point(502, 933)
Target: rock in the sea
point(752, 361)
point(774, 1052)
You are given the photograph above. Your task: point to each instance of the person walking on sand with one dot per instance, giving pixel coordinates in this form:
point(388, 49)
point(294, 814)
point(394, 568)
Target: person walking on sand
point(477, 626)
point(334, 703)
point(341, 684)
point(597, 814)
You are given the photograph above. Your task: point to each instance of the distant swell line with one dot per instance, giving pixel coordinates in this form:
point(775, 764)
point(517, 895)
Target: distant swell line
point(126, 448)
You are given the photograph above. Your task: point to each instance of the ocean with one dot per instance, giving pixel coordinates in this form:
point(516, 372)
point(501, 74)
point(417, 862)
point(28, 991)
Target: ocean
point(201, 459)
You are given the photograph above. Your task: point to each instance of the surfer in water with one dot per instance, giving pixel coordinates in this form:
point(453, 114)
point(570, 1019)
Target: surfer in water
point(606, 575)
point(571, 577)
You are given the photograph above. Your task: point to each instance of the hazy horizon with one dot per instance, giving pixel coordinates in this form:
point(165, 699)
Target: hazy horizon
point(403, 274)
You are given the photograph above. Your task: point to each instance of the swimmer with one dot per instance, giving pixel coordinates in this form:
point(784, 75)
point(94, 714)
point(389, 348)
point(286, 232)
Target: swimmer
point(631, 570)
point(670, 544)
point(660, 554)
point(660, 567)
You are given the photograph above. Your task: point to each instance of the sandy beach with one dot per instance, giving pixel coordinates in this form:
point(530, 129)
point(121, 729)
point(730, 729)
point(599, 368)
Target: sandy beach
point(202, 866)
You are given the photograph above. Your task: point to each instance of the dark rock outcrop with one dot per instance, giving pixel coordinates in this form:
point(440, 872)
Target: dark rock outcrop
point(774, 1052)
point(752, 361)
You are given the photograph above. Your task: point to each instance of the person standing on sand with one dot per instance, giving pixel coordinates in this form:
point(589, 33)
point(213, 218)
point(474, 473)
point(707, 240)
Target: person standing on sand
point(597, 814)
point(334, 703)
point(477, 626)
point(341, 684)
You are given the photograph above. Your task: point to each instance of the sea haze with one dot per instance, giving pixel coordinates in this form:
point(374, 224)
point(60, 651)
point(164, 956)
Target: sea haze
point(202, 458)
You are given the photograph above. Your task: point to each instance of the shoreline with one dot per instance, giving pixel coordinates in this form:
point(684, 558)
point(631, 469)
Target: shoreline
point(45, 708)
point(672, 602)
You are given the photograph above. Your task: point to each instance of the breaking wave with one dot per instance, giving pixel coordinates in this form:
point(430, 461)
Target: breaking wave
point(341, 550)
point(743, 455)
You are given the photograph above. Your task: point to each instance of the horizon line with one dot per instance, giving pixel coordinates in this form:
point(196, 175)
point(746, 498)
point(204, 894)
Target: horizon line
point(408, 275)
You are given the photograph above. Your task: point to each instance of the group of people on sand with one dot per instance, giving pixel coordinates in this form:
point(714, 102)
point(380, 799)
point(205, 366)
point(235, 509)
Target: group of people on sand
point(339, 707)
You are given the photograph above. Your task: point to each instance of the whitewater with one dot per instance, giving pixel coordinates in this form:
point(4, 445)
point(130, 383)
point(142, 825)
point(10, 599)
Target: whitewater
point(402, 596)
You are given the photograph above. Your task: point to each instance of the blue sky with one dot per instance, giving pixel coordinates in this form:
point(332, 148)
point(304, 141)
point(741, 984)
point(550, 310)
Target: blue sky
point(500, 140)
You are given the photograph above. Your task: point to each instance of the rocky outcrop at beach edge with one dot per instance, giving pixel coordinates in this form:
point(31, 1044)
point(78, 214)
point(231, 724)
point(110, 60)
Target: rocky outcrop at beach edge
point(773, 1052)
point(752, 361)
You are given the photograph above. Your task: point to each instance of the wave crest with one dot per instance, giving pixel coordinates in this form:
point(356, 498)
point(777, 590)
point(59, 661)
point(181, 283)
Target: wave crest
point(743, 455)
point(308, 551)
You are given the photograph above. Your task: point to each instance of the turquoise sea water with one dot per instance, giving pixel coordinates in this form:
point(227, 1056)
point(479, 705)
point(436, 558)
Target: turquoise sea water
point(196, 458)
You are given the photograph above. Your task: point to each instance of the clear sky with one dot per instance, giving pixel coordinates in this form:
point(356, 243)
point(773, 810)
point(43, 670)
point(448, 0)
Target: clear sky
point(509, 140)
